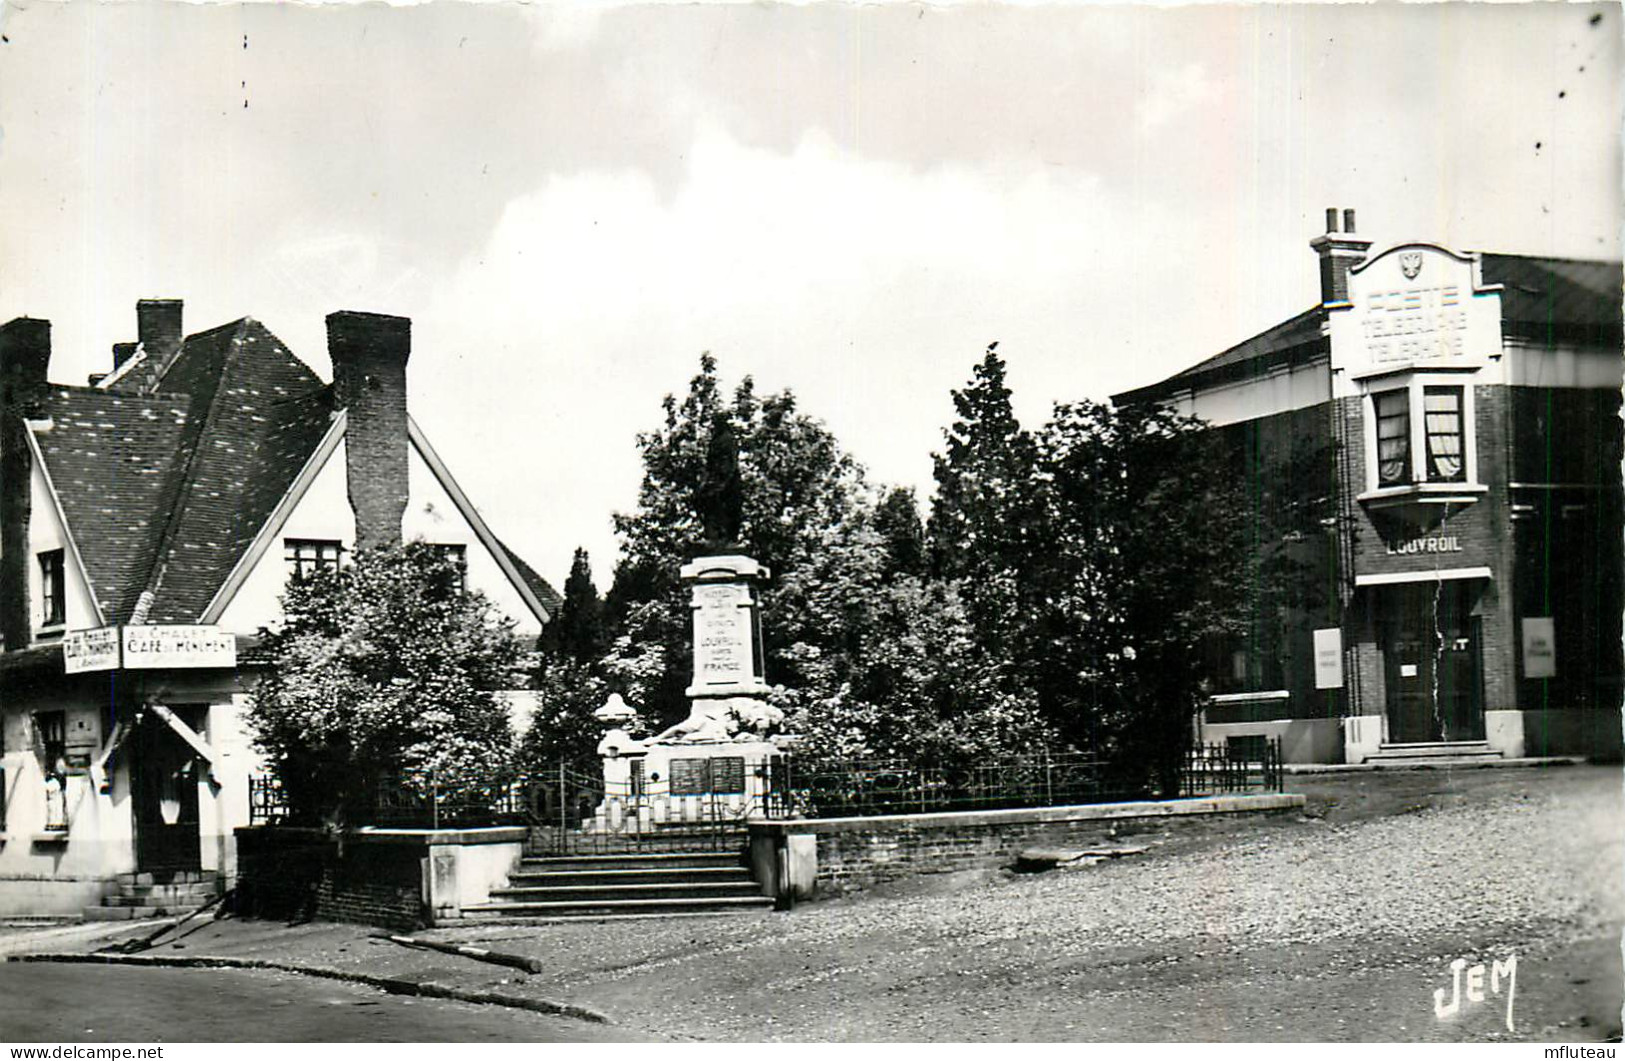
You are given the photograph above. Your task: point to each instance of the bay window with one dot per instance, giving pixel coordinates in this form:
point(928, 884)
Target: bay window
point(1441, 406)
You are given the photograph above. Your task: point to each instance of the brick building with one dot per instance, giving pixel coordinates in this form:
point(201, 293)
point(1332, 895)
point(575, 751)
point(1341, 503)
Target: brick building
point(1432, 456)
point(148, 523)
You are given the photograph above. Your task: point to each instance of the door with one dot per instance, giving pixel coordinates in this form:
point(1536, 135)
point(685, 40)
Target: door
point(165, 777)
point(1432, 664)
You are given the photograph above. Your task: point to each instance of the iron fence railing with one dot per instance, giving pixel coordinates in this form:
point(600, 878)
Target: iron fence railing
point(267, 804)
point(863, 787)
point(801, 788)
point(1221, 769)
point(570, 808)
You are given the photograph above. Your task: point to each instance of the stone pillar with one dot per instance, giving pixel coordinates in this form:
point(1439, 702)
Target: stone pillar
point(727, 628)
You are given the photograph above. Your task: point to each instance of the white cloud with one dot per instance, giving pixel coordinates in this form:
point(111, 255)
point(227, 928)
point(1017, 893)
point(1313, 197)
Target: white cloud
point(1174, 93)
point(868, 288)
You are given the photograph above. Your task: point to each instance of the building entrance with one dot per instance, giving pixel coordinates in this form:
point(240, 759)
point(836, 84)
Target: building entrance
point(1432, 663)
point(165, 775)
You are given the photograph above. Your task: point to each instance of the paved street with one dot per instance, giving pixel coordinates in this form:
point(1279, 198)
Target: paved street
point(147, 1005)
point(1336, 925)
point(1339, 927)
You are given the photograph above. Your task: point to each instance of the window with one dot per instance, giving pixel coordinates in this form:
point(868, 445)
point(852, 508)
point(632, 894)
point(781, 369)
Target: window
point(52, 588)
point(309, 555)
point(51, 735)
point(1393, 438)
point(1441, 409)
point(457, 556)
point(51, 740)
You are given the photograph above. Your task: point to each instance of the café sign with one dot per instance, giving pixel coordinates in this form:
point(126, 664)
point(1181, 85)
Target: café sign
point(144, 647)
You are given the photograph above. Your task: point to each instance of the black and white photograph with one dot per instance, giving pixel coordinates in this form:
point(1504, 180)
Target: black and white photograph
point(726, 522)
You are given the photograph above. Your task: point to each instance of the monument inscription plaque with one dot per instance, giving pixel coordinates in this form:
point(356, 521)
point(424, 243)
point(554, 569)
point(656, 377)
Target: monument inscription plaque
point(722, 635)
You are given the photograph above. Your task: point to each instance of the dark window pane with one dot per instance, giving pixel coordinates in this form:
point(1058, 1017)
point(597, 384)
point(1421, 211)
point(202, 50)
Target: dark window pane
point(1393, 438)
point(53, 586)
point(1442, 418)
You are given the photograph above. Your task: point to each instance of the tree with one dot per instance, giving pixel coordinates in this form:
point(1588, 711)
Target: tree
point(866, 654)
point(1138, 558)
point(915, 686)
point(755, 471)
point(981, 518)
point(577, 633)
point(570, 683)
point(384, 667)
point(902, 534)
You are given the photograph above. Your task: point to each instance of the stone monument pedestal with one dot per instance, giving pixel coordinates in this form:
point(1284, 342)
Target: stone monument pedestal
point(676, 784)
point(713, 765)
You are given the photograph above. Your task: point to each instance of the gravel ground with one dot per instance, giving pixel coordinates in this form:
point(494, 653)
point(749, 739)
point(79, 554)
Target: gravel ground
point(1336, 925)
point(1271, 932)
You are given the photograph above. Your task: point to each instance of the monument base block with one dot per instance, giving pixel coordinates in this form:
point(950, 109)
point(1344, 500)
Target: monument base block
point(668, 785)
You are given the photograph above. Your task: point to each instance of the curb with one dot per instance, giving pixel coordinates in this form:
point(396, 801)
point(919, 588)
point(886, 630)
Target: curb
point(1396, 765)
point(388, 984)
point(479, 954)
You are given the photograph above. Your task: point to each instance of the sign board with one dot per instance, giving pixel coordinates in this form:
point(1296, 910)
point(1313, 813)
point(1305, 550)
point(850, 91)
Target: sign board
point(148, 648)
point(155, 647)
point(90, 650)
point(1413, 305)
point(1329, 658)
point(1539, 648)
point(722, 635)
point(728, 774)
point(688, 777)
point(1440, 543)
point(696, 777)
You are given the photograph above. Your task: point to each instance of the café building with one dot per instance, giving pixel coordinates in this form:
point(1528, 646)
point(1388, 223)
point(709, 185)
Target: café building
point(1432, 455)
point(149, 521)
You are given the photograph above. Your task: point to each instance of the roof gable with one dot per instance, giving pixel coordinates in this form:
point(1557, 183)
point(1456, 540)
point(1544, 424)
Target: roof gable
point(173, 475)
point(316, 506)
point(265, 413)
point(111, 460)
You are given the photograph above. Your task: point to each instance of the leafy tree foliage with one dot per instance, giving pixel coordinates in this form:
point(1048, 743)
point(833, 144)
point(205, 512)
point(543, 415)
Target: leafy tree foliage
point(982, 518)
point(384, 665)
point(868, 657)
point(1138, 561)
point(751, 469)
point(577, 633)
point(570, 683)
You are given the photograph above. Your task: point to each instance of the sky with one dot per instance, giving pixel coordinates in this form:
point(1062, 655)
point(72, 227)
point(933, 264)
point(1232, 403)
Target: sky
point(572, 203)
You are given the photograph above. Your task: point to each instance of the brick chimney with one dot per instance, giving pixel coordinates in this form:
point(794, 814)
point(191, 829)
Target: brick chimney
point(25, 357)
point(369, 352)
point(157, 326)
point(1339, 252)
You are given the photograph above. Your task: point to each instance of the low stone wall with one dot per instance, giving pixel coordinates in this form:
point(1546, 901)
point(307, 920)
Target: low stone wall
point(830, 856)
point(393, 878)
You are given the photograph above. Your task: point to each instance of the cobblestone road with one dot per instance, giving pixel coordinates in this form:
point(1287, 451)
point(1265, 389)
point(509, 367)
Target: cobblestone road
point(1303, 929)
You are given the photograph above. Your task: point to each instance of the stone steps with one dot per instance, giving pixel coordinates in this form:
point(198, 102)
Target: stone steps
point(160, 894)
point(604, 908)
point(1440, 753)
point(674, 883)
point(133, 913)
point(676, 888)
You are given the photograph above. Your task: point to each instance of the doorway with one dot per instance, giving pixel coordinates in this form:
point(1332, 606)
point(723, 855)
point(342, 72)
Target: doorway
point(164, 776)
point(1432, 663)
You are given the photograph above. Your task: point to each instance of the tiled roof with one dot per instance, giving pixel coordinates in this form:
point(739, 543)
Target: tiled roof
point(545, 593)
point(1561, 297)
point(111, 458)
point(1294, 337)
point(1563, 292)
point(167, 477)
point(259, 413)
